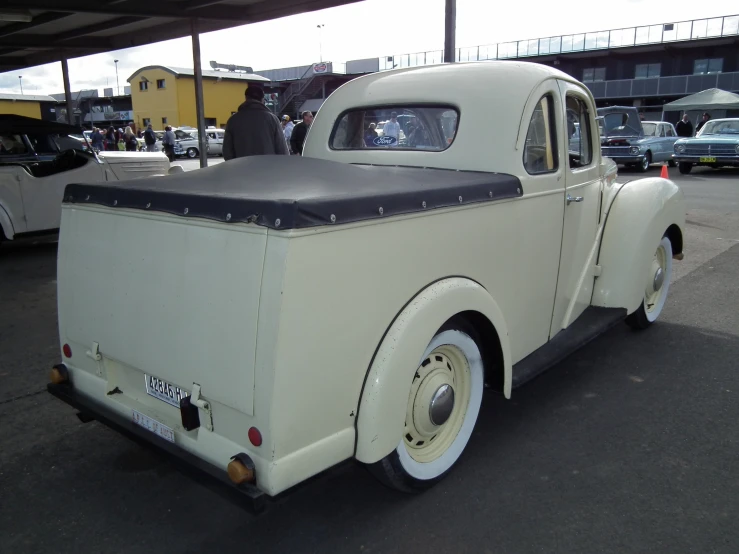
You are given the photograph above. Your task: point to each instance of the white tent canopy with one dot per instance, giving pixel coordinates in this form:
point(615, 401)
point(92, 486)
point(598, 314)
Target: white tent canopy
point(711, 99)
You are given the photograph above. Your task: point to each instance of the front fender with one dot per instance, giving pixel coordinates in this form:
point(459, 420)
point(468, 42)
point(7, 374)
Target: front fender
point(384, 398)
point(638, 217)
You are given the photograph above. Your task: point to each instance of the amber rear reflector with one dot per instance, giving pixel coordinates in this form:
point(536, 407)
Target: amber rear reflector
point(239, 473)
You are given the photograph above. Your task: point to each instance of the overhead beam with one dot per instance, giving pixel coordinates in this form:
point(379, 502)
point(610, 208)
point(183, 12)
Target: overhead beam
point(96, 28)
point(136, 8)
point(19, 42)
point(38, 20)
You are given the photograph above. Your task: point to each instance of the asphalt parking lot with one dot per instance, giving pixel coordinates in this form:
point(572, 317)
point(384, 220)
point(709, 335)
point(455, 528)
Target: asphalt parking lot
point(630, 445)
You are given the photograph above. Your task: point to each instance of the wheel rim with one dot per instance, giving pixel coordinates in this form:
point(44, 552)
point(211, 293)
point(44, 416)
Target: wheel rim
point(658, 280)
point(429, 430)
point(645, 162)
point(192, 152)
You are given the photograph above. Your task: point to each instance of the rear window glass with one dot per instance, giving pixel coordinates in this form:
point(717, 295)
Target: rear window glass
point(430, 128)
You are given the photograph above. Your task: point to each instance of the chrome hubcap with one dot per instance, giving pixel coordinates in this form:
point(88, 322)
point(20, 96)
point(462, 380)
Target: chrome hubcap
point(442, 404)
point(659, 279)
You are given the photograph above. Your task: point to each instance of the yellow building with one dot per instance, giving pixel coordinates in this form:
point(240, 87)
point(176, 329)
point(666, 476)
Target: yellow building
point(28, 105)
point(166, 96)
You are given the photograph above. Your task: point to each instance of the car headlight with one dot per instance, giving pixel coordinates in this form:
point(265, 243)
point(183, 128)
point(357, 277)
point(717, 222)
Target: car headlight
point(679, 148)
point(634, 150)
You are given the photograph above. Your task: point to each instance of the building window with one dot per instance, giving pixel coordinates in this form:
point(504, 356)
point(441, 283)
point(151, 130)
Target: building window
point(594, 74)
point(164, 121)
point(147, 122)
point(712, 65)
point(647, 70)
point(161, 83)
point(143, 85)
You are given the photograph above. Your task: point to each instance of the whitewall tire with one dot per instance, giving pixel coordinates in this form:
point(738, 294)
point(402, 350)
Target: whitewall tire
point(656, 288)
point(443, 405)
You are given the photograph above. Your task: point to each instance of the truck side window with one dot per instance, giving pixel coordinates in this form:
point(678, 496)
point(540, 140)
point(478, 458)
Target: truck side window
point(580, 151)
point(540, 150)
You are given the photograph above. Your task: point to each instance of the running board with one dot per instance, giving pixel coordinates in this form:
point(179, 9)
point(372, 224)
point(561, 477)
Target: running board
point(591, 323)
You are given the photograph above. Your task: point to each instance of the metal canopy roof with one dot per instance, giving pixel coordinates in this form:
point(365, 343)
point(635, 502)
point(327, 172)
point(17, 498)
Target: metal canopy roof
point(61, 29)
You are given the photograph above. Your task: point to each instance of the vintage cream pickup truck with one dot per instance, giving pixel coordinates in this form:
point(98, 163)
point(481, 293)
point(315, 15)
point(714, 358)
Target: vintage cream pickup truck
point(269, 317)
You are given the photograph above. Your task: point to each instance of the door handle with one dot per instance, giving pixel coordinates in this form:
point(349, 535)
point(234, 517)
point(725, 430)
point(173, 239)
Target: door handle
point(574, 199)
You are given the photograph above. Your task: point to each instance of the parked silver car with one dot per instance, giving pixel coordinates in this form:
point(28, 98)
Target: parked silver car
point(631, 142)
point(716, 145)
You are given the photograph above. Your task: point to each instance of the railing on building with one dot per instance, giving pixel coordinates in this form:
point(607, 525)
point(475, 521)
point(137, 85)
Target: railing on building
point(581, 42)
point(679, 85)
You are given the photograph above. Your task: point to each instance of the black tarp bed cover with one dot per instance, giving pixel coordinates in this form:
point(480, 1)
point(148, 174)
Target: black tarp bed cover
point(292, 192)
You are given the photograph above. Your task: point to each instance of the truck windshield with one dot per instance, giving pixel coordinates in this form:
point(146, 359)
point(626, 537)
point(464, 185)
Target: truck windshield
point(621, 124)
point(396, 127)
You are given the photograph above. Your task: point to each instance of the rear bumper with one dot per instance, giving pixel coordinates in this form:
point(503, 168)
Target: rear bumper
point(246, 495)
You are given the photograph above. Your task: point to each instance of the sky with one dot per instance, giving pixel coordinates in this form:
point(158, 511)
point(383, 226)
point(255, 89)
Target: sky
point(371, 28)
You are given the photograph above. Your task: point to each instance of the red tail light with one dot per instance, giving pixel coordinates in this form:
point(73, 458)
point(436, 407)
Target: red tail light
point(255, 437)
point(67, 351)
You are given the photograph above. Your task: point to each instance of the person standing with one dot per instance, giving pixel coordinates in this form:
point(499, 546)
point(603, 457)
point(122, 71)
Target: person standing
point(150, 139)
point(130, 140)
point(110, 143)
point(287, 128)
point(168, 142)
point(705, 119)
point(684, 127)
point(392, 128)
point(96, 139)
point(253, 130)
point(297, 139)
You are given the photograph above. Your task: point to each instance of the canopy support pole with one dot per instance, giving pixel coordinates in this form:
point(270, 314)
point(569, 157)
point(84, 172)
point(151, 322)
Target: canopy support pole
point(450, 31)
point(67, 92)
point(199, 108)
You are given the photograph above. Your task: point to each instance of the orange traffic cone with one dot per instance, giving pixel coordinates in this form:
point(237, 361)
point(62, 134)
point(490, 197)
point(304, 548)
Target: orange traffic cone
point(664, 172)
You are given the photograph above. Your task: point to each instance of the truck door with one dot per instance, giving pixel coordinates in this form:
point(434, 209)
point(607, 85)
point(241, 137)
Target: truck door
point(581, 210)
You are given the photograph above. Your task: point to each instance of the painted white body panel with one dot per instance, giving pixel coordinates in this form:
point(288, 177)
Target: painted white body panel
point(312, 335)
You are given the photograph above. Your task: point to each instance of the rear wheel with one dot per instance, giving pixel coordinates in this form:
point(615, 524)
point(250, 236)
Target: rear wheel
point(443, 405)
point(685, 167)
point(657, 286)
point(644, 164)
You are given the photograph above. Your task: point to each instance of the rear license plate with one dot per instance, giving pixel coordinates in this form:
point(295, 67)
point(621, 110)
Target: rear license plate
point(152, 425)
point(164, 391)
point(708, 159)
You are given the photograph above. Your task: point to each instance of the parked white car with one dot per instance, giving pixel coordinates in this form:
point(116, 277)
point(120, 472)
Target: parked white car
point(37, 161)
point(215, 141)
point(268, 317)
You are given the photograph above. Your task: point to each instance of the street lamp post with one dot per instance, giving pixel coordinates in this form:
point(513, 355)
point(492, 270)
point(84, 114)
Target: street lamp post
point(320, 41)
point(117, 86)
point(20, 80)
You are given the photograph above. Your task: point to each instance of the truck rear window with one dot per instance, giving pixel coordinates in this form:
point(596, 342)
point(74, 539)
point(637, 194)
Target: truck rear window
point(430, 128)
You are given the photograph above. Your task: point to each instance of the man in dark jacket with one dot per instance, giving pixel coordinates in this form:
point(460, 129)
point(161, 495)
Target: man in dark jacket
point(684, 127)
point(706, 117)
point(300, 132)
point(253, 130)
point(150, 139)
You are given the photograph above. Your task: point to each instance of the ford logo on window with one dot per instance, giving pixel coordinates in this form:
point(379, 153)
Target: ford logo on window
point(384, 141)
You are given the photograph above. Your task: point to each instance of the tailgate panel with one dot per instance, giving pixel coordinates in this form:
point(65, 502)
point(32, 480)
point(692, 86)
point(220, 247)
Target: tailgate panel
point(177, 299)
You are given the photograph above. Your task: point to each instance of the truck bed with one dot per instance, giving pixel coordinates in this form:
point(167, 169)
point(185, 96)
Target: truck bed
point(292, 192)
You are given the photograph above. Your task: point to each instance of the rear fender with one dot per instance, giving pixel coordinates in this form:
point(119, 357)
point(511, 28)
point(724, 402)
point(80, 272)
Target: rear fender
point(6, 225)
point(384, 398)
point(639, 216)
